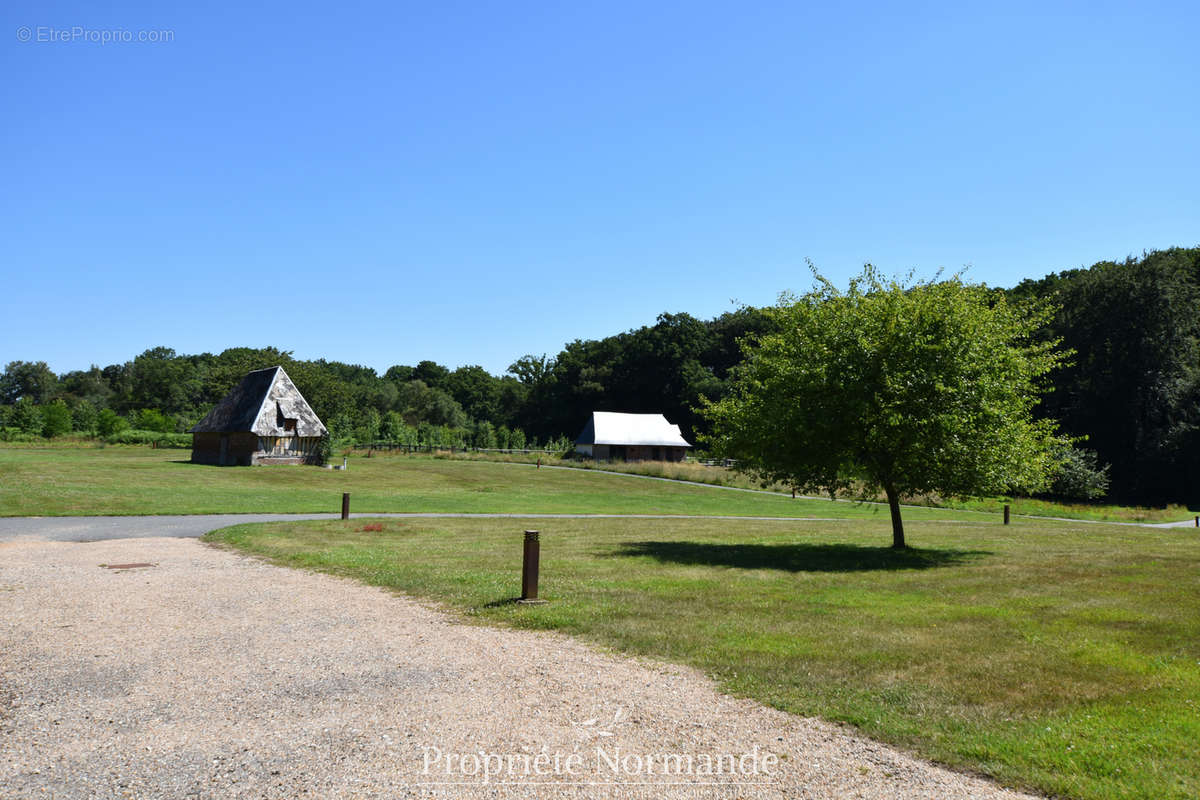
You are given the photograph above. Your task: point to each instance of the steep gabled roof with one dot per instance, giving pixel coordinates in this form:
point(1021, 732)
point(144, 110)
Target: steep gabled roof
point(611, 427)
point(260, 404)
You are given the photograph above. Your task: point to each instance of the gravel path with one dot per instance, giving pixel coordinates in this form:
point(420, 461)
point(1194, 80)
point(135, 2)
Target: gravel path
point(214, 675)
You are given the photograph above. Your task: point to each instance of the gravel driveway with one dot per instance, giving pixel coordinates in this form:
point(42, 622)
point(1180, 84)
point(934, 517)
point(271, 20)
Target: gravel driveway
point(214, 675)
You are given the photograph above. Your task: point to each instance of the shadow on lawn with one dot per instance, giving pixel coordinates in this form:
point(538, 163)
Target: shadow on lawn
point(799, 557)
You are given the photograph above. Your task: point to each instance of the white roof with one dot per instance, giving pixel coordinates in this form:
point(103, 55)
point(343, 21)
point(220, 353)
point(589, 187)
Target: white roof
point(611, 427)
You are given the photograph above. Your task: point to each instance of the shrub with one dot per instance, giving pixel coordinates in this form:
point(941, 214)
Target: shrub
point(1080, 477)
point(134, 436)
point(56, 419)
point(84, 417)
point(324, 449)
point(108, 423)
point(27, 417)
point(11, 434)
point(151, 419)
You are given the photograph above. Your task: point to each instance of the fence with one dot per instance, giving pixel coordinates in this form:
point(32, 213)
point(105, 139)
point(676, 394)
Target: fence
point(437, 448)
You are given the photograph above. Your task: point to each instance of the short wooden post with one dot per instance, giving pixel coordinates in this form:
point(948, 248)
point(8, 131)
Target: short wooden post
point(1006, 513)
point(345, 505)
point(529, 569)
point(1198, 522)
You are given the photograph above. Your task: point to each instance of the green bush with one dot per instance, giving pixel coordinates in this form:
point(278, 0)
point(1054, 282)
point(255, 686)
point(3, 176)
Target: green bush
point(109, 424)
point(84, 417)
point(56, 419)
point(324, 449)
point(151, 419)
point(134, 436)
point(1080, 477)
point(27, 417)
point(12, 434)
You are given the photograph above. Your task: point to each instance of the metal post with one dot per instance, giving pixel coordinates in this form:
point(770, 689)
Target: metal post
point(529, 569)
point(345, 505)
point(1006, 513)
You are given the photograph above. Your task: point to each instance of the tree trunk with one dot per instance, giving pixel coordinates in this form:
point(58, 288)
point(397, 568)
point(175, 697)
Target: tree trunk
point(897, 524)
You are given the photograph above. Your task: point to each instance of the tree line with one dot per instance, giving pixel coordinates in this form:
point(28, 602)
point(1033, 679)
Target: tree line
point(1130, 392)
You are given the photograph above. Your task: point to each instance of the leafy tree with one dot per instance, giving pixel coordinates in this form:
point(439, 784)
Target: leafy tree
point(516, 439)
point(84, 417)
point(476, 390)
point(340, 428)
point(392, 427)
point(484, 435)
point(27, 417)
point(908, 389)
point(88, 386)
point(431, 373)
point(367, 429)
point(151, 419)
point(399, 374)
point(56, 419)
point(1133, 388)
point(33, 380)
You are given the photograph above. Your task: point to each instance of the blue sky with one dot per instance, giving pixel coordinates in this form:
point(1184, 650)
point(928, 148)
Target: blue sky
point(381, 183)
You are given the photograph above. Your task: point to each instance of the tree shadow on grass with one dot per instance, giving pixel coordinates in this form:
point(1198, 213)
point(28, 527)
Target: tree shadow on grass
point(800, 557)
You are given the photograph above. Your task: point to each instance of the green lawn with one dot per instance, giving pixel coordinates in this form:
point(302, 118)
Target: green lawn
point(138, 480)
point(1058, 656)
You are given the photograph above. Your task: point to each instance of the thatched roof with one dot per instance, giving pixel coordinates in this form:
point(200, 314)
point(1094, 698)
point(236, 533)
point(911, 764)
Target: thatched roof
point(610, 427)
point(261, 404)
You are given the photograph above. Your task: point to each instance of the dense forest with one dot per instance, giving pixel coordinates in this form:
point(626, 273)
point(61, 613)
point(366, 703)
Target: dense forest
point(1131, 391)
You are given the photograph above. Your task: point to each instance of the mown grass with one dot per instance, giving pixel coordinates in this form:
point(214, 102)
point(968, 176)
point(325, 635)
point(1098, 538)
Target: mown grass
point(722, 476)
point(1056, 656)
point(133, 480)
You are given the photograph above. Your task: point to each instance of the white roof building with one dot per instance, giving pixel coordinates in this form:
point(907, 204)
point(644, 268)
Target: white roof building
point(609, 434)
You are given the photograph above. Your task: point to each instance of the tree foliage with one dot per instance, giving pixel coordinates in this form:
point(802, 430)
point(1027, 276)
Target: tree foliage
point(56, 419)
point(1133, 389)
point(894, 387)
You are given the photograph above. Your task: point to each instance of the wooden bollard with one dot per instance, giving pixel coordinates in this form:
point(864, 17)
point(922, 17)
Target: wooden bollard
point(1006, 513)
point(345, 505)
point(1198, 522)
point(529, 569)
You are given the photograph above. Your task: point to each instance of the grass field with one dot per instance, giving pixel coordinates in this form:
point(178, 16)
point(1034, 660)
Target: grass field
point(56, 479)
point(720, 476)
point(1057, 656)
point(138, 480)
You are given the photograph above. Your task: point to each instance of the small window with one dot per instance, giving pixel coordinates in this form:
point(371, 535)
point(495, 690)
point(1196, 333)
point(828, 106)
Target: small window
point(289, 424)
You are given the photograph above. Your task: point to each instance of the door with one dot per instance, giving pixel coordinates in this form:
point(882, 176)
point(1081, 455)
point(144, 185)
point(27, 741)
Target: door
point(224, 449)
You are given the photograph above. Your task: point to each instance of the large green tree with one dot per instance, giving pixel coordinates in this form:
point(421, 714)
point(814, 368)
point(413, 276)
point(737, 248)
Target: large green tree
point(904, 388)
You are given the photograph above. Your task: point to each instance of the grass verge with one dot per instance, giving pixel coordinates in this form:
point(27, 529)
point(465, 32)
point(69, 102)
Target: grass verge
point(1055, 656)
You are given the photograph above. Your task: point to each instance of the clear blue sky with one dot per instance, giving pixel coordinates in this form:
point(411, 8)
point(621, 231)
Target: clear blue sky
point(381, 183)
